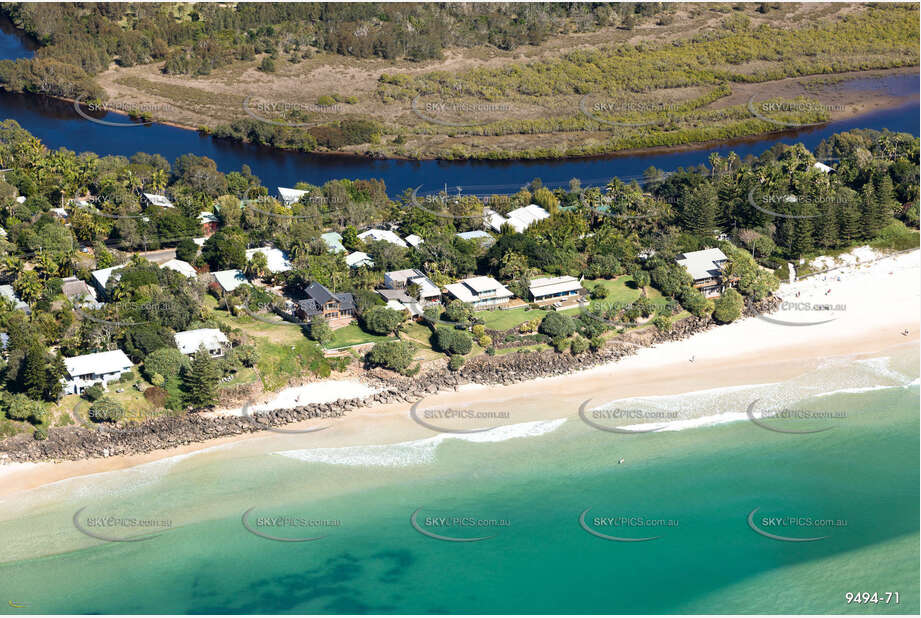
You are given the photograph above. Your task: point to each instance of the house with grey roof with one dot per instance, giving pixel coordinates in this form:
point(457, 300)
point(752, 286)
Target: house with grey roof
point(338, 308)
point(706, 269)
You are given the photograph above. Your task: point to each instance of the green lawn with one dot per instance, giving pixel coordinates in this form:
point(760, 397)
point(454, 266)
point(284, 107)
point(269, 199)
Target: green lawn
point(353, 335)
point(504, 319)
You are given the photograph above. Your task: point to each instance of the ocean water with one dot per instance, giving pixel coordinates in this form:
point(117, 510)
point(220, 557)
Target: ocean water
point(692, 485)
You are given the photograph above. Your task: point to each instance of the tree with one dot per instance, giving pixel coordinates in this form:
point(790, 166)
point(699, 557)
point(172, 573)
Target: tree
point(199, 380)
point(453, 341)
point(394, 355)
point(167, 362)
point(578, 345)
point(106, 410)
point(694, 301)
point(34, 372)
point(319, 330)
point(458, 311)
point(224, 251)
point(728, 307)
point(556, 325)
point(382, 320)
point(186, 250)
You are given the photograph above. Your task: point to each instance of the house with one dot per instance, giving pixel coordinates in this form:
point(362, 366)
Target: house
point(160, 201)
point(481, 292)
point(554, 288)
point(181, 267)
point(229, 280)
point(520, 218)
point(375, 234)
point(400, 280)
point(101, 277)
point(60, 214)
point(98, 368)
point(333, 242)
point(2, 233)
point(705, 267)
point(209, 223)
point(822, 167)
point(290, 196)
point(480, 236)
point(404, 300)
point(413, 240)
point(276, 260)
point(212, 339)
point(359, 258)
point(337, 308)
point(7, 292)
point(78, 292)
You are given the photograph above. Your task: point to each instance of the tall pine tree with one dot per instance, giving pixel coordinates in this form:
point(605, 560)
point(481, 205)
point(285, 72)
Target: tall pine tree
point(199, 380)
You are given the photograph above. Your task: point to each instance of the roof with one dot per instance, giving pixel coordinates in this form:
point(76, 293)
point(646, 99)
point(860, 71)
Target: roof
point(414, 240)
point(229, 280)
point(822, 167)
point(476, 288)
point(180, 267)
point(375, 234)
point(396, 305)
point(207, 217)
point(318, 295)
point(333, 241)
point(60, 212)
point(98, 363)
point(188, 341)
point(414, 275)
point(290, 196)
point(553, 285)
point(74, 288)
point(702, 264)
point(520, 218)
point(2, 232)
point(276, 259)
point(101, 276)
point(474, 235)
point(398, 295)
point(358, 258)
point(6, 291)
point(158, 200)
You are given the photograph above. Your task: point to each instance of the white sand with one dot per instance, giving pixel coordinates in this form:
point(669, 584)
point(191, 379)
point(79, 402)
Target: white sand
point(315, 392)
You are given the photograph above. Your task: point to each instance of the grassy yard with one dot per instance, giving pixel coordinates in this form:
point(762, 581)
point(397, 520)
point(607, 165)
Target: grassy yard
point(353, 335)
point(504, 319)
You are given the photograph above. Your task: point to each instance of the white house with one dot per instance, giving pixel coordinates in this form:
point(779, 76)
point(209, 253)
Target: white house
point(60, 213)
point(553, 288)
point(520, 218)
point(7, 292)
point(375, 234)
point(359, 258)
point(481, 292)
point(101, 277)
point(276, 260)
point(705, 267)
point(400, 279)
point(822, 167)
point(478, 235)
point(414, 240)
point(98, 368)
point(213, 340)
point(180, 267)
point(290, 196)
point(333, 242)
point(158, 200)
point(229, 280)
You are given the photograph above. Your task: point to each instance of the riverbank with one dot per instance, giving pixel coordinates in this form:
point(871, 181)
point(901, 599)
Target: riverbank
point(880, 302)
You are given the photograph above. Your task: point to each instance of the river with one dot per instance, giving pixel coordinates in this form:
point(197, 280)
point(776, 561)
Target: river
point(57, 124)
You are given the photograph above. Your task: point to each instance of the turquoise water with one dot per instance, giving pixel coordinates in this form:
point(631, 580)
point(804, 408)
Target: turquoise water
point(863, 474)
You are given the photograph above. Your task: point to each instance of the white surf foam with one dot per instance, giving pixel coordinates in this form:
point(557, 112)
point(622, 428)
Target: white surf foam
point(416, 452)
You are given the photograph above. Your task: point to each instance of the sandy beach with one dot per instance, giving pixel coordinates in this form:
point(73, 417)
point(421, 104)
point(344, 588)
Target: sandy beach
point(859, 309)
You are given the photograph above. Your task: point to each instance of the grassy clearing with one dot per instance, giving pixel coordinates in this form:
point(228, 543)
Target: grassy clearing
point(353, 335)
point(504, 319)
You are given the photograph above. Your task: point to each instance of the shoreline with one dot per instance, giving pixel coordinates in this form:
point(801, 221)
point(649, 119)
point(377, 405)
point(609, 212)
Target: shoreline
point(892, 102)
point(885, 295)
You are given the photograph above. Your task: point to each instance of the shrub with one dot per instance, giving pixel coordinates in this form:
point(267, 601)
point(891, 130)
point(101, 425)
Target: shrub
point(40, 433)
point(318, 330)
point(93, 392)
point(663, 323)
point(695, 302)
point(485, 341)
point(596, 343)
point(394, 355)
point(267, 65)
point(727, 307)
point(156, 396)
point(599, 292)
point(106, 410)
point(168, 362)
point(453, 341)
point(556, 325)
point(382, 320)
point(456, 362)
point(458, 311)
point(560, 344)
point(578, 345)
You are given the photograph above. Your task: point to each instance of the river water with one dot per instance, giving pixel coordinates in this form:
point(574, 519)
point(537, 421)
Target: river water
point(57, 124)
